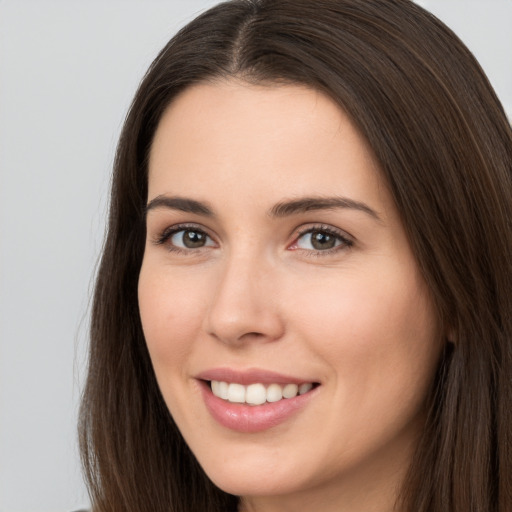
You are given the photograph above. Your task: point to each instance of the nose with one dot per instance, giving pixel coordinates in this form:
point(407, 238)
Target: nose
point(244, 306)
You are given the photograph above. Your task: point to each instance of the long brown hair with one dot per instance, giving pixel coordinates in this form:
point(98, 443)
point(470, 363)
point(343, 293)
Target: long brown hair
point(445, 148)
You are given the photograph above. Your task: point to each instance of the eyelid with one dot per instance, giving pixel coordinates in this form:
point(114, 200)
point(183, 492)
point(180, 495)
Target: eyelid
point(346, 239)
point(163, 236)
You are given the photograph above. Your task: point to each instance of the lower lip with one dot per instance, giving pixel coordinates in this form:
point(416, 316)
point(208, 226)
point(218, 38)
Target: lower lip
point(252, 418)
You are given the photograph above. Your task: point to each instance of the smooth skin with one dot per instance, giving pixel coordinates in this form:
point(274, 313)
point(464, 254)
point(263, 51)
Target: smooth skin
point(331, 295)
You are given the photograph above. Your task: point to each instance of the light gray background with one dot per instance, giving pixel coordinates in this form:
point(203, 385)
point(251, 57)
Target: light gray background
point(68, 70)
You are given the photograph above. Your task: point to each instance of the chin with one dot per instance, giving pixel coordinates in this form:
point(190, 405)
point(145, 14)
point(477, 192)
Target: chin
point(254, 480)
point(254, 484)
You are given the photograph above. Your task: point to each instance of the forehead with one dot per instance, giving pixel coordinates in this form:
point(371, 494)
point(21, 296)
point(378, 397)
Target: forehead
point(280, 139)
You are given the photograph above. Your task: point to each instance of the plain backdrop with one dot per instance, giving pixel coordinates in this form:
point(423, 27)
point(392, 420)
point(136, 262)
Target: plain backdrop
point(68, 70)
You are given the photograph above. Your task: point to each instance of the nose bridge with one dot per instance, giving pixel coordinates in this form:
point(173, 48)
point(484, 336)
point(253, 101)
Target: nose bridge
point(243, 305)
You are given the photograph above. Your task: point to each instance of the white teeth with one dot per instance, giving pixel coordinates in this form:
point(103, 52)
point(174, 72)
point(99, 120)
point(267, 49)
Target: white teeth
point(290, 390)
point(223, 390)
point(274, 393)
point(215, 387)
point(304, 388)
point(257, 394)
point(236, 393)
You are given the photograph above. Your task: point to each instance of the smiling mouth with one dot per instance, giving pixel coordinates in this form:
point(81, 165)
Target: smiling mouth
point(258, 394)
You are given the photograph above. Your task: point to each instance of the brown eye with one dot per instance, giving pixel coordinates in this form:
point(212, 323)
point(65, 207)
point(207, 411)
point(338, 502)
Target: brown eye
point(321, 240)
point(190, 239)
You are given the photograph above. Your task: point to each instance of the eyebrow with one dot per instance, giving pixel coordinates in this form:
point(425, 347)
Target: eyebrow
point(182, 204)
point(279, 210)
point(306, 204)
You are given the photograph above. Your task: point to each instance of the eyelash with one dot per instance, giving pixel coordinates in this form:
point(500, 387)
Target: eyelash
point(169, 232)
point(346, 242)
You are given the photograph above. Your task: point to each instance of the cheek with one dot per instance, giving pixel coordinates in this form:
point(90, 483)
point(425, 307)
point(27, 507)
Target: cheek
point(378, 336)
point(170, 311)
point(368, 313)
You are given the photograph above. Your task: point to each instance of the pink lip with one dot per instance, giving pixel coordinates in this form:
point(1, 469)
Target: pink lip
point(248, 418)
point(249, 376)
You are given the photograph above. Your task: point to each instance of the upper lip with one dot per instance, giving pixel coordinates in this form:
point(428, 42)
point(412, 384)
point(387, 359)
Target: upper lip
point(250, 376)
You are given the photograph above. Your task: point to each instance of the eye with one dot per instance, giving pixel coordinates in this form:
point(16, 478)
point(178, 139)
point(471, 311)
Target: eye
point(184, 238)
point(190, 239)
point(321, 239)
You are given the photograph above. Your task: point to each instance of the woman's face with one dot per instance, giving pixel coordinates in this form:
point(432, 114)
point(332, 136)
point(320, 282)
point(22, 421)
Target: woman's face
point(275, 262)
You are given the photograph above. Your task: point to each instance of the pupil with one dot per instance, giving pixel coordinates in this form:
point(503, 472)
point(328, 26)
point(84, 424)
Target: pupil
point(321, 240)
point(193, 239)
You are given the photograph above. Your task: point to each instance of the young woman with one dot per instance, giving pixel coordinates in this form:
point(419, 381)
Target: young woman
point(304, 297)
